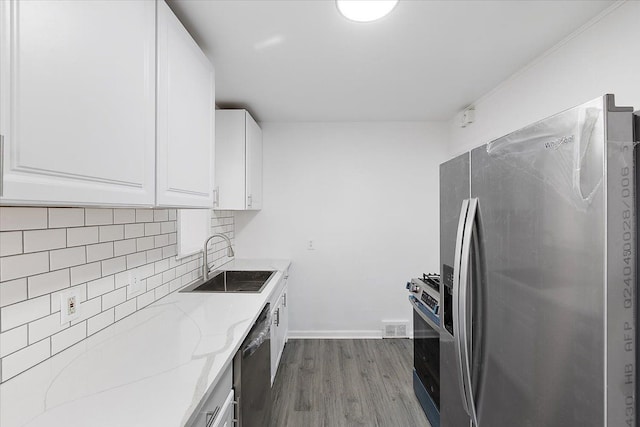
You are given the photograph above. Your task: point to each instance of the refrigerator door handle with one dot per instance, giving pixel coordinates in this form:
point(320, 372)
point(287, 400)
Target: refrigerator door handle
point(470, 232)
point(457, 329)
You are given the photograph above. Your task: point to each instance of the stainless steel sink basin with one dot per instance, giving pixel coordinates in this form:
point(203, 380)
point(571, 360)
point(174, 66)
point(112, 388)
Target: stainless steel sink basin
point(233, 281)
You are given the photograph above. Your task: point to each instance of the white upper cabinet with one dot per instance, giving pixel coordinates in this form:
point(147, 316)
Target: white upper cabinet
point(186, 103)
point(77, 102)
point(238, 161)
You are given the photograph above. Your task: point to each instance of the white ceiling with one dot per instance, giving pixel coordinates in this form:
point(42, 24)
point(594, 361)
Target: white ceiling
point(302, 61)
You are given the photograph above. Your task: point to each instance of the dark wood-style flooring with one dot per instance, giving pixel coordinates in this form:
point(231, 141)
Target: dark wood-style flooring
point(334, 383)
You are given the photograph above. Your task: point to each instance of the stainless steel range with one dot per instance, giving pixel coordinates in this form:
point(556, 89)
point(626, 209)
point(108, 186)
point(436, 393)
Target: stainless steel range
point(425, 298)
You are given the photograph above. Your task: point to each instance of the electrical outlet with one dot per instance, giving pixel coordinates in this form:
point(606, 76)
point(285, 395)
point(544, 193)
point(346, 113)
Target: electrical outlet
point(311, 245)
point(135, 284)
point(69, 306)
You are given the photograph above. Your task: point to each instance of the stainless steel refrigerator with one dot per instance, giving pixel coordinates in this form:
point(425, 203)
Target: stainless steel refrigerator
point(538, 252)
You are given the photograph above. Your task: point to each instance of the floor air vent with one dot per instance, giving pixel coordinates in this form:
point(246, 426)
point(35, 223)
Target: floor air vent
point(395, 330)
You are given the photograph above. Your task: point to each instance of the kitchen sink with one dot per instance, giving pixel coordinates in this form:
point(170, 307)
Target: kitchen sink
point(233, 281)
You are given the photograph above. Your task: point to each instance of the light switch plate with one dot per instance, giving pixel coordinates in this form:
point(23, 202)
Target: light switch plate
point(70, 306)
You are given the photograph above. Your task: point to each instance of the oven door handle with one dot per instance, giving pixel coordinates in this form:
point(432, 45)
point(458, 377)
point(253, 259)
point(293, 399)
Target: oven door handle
point(417, 307)
point(457, 327)
point(470, 233)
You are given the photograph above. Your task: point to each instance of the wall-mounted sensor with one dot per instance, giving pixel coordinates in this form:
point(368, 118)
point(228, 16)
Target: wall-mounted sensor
point(467, 117)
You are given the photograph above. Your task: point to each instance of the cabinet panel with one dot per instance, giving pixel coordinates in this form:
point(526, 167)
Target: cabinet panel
point(279, 328)
point(230, 159)
point(185, 117)
point(254, 164)
point(77, 102)
point(217, 404)
point(238, 161)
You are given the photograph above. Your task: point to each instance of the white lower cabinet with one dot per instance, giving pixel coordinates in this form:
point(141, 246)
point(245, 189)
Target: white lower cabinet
point(279, 327)
point(217, 411)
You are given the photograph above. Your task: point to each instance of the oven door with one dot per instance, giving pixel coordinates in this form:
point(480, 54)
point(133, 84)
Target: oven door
point(426, 350)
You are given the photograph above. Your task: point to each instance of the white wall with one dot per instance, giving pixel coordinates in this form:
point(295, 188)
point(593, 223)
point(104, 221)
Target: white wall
point(367, 195)
point(604, 57)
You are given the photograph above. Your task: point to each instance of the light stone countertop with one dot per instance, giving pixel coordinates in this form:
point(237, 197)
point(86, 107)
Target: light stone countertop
point(152, 368)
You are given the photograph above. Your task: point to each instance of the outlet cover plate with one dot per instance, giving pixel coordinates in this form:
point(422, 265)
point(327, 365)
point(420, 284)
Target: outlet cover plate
point(70, 306)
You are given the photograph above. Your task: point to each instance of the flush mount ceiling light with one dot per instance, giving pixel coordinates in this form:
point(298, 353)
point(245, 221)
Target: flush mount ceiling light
point(365, 10)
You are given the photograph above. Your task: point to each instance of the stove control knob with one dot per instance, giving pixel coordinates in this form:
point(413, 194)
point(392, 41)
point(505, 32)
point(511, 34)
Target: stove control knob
point(414, 288)
point(408, 285)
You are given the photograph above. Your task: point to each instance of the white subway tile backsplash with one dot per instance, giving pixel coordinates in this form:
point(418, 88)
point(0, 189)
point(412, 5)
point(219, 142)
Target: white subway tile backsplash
point(154, 281)
point(161, 291)
point(168, 275)
point(16, 266)
point(125, 309)
point(10, 243)
point(144, 215)
point(13, 340)
point(48, 282)
point(66, 217)
point(124, 247)
point(124, 216)
point(146, 299)
point(24, 312)
point(161, 240)
point(109, 233)
point(167, 227)
point(98, 216)
point(100, 251)
point(114, 265)
point(24, 359)
point(100, 286)
point(114, 298)
point(154, 255)
point(13, 291)
point(160, 215)
point(100, 321)
point(45, 327)
point(162, 265)
point(136, 260)
point(174, 285)
point(42, 240)
point(85, 273)
point(47, 251)
point(133, 230)
point(122, 279)
point(82, 236)
point(145, 271)
point(68, 337)
point(22, 218)
point(151, 229)
point(145, 243)
point(168, 251)
point(69, 257)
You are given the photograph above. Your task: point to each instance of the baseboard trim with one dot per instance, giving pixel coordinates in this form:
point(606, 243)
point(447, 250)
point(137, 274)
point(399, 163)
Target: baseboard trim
point(339, 335)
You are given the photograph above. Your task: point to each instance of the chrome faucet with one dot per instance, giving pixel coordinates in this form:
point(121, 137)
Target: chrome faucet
point(205, 265)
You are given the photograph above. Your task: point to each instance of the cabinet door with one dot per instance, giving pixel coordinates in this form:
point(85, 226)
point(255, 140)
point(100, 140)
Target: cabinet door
point(225, 416)
point(186, 102)
point(275, 348)
point(230, 159)
point(254, 164)
point(284, 318)
point(77, 102)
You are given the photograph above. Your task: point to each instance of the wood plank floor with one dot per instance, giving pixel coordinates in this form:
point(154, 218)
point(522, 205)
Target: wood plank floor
point(333, 383)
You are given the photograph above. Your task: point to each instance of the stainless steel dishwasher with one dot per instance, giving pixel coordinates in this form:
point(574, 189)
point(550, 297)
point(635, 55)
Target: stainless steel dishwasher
point(252, 374)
